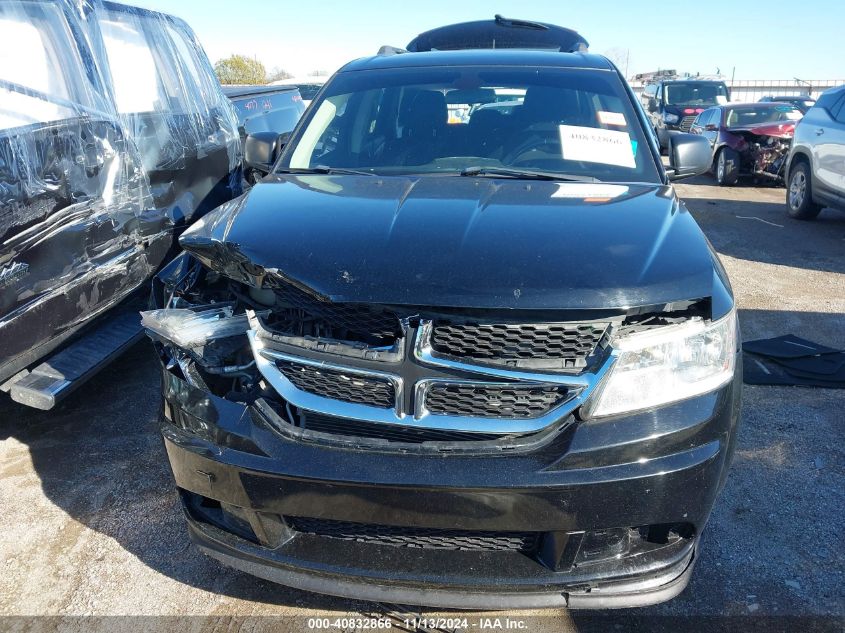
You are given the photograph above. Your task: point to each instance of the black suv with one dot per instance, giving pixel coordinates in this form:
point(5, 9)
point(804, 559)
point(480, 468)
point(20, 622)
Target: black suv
point(673, 104)
point(485, 363)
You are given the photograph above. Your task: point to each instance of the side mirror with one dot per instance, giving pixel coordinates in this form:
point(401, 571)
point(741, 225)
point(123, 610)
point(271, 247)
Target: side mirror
point(652, 104)
point(261, 149)
point(689, 155)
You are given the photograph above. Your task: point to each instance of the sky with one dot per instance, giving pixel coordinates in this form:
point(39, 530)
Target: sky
point(762, 39)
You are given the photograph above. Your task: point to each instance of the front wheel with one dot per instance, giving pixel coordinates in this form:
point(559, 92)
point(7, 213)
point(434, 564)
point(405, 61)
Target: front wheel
point(799, 194)
point(727, 167)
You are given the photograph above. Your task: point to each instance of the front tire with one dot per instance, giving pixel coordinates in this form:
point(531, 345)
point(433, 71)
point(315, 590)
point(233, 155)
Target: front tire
point(799, 193)
point(727, 167)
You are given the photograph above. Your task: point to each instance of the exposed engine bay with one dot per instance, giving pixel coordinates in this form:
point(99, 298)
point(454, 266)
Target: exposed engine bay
point(763, 155)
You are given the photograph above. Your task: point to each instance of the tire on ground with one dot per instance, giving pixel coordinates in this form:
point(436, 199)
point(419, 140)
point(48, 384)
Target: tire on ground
point(799, 192)
point(727, 167)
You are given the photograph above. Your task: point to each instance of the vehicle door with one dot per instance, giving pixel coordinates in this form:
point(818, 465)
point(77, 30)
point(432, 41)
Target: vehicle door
point(712, 126)
point(837, 147)
point(827, 143)
point(185, 128)
point(75, 237)
point(706, 125)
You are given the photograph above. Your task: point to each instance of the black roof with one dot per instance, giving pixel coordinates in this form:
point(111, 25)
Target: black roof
point(476, 57)
point(498, 33)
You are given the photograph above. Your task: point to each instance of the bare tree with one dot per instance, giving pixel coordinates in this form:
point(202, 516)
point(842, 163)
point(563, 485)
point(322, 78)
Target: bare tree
point(277, 74)
point(620, 57)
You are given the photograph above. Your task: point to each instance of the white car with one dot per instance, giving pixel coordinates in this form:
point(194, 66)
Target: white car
point(816, 167)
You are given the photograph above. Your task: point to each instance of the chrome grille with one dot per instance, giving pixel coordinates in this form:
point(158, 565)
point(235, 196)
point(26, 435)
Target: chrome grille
point(416, 537)
point(339, 385)
point(415, 387)
point(567, 345)
point(686, 123)
point(493, 401)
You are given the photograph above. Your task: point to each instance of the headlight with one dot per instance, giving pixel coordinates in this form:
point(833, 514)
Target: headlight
point(668, 117)
point(667, 364)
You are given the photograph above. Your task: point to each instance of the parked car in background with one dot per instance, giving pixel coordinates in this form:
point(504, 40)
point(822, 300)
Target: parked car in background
point(816, 164)
point(308, 86)
point(486, 364)
point(114, 136)
point(264, 110)
point(748, 139)
point(802, 102)
point(673, 104)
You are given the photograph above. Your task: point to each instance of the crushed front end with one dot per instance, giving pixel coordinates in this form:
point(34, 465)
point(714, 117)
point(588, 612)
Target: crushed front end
point(763, 150)
point(435, 456)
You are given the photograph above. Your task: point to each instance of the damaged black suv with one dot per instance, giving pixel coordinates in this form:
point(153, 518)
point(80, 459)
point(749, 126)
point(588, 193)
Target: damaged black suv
point(455, 355)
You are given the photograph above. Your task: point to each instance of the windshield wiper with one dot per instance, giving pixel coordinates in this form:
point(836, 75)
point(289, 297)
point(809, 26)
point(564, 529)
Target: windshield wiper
point(525, 173)
point(323, 169)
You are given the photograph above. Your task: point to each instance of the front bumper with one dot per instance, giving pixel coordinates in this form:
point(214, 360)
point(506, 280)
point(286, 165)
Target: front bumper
point(243, 485)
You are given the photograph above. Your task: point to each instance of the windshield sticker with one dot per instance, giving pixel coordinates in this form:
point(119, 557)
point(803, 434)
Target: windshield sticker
point(611, 118)
point(588, 190)
point(594, 145)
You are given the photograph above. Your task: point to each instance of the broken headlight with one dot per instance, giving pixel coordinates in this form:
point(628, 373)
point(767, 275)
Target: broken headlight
point(667, 364)
point(193, 328)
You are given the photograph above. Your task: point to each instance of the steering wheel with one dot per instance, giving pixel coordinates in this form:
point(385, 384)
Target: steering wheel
point(539, 136)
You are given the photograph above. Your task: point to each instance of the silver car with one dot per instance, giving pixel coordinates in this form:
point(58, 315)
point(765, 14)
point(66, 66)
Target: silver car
point(816, 168)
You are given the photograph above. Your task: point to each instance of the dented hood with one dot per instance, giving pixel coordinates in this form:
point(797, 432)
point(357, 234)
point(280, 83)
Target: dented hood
point(462, 242)
point(778, 130)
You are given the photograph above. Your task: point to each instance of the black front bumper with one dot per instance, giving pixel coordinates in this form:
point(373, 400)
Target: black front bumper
point(244, 485)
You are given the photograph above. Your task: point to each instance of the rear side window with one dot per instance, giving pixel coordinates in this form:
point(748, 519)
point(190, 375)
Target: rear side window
point(830, 101)
point(839, 110)
point(137, 83)
point(51, 84)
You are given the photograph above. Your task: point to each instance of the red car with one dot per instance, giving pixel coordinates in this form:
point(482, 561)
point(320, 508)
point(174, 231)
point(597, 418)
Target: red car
point(748, 139)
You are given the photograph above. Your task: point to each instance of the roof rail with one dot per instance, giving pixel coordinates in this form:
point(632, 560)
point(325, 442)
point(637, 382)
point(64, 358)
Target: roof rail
point(390, 50)
point(525, 24)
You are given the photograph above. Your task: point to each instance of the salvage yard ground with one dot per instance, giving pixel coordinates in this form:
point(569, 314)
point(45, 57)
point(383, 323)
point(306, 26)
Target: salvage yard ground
point(90, 521)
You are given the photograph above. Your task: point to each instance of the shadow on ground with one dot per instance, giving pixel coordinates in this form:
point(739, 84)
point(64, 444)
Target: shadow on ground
point(760, 230)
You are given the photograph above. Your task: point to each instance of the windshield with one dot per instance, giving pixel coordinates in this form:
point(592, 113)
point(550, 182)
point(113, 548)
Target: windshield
point(696, 93)
point(754, 115)
point(445, 120)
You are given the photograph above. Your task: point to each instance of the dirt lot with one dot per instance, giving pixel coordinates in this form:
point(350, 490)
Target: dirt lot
point(91, 525)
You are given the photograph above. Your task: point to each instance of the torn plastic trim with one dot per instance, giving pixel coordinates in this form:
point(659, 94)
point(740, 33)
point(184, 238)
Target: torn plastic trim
point(385, 353)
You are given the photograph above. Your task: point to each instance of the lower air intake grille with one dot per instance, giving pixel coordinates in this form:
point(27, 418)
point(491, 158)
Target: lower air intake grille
point(562, 345)
point(419, 538)
point(390, 432)
point(339, 385)
point(493, 401)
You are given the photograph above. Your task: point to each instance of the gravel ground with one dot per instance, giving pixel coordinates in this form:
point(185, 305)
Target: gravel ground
point(91, 524)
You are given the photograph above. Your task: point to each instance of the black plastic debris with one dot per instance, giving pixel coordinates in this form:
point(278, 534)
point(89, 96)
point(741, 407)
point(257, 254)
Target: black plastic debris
point(792, 361)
